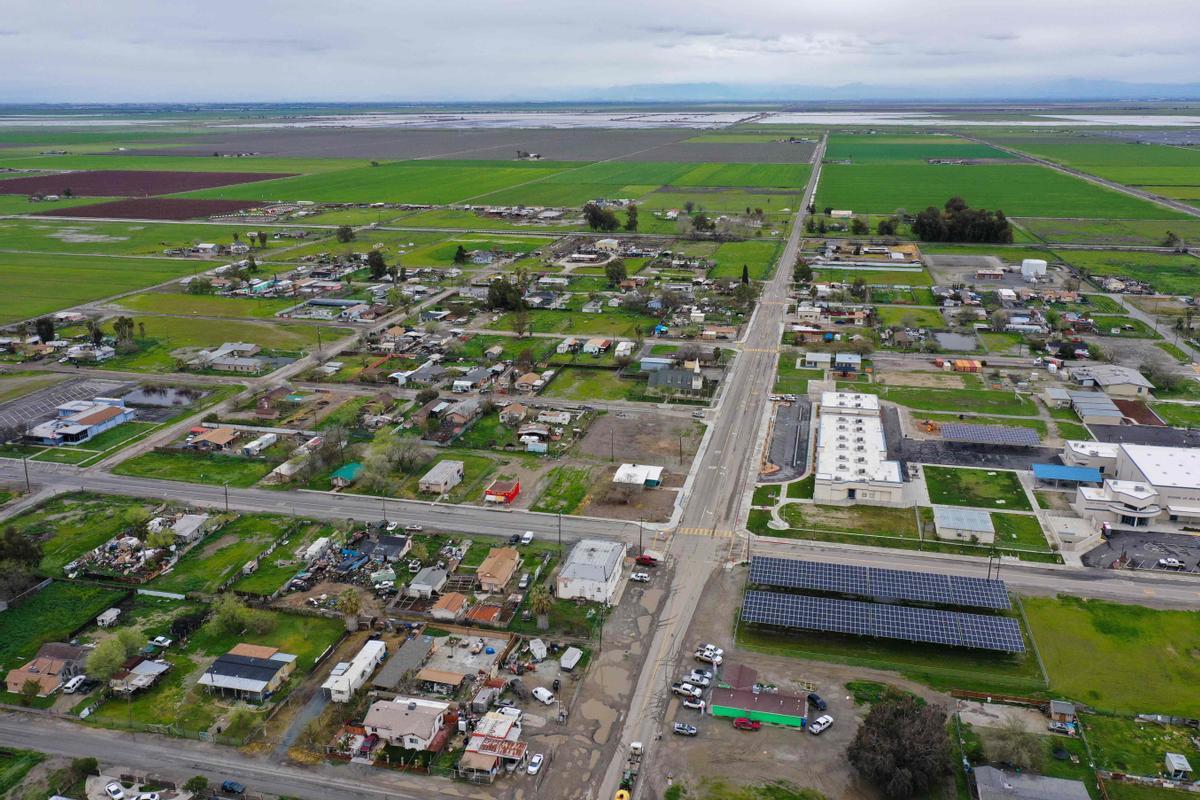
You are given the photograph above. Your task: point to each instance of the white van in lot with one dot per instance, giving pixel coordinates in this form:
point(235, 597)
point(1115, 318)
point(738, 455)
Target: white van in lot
point(544, 695)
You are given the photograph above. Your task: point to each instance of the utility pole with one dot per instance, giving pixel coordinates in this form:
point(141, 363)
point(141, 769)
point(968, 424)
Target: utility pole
point(318, 341)
point(385, 519)
point(227, 497)
point(641, 549)
point(612, 442)
point(681, 448)
point(560, 536)
point(25, 463)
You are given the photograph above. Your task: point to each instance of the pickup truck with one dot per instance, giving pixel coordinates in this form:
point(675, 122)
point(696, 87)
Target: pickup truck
point(686, 689)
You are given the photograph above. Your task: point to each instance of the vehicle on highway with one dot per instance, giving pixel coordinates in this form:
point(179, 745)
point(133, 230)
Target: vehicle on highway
point(683, 729)
point(114, 791)
point(1170, 563)
point(527, 538)
point(414, 528)
point(821, 723)
point(544, 695)
point(686, 689)
point(815, 700)
point(746, 724)
point(694, 703)
point(535, 764)
point(646, 561)
point(640, 577)
point(233, 787)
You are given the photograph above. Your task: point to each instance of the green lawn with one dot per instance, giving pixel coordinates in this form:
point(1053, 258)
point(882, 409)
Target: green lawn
point(960, 486)
point(190, 467)
point(303, 636)
point(1074, 636)
point(72, 524)
point(14, 765)
point(1118, 790)
point(1174, 352)
point(981, 401)
point(1125, 745)
point(48, 616)
point(583, 384)
point(1136, 328)
point(1022, 531)
point(1178, 415)
point(566, 488)
point(766, 494)
point(29, 291)
point(1002, 344)
point(792, 380)
point(279, 566)
point(489, 433)
point(900, 522)
point(611, 322)
point(222, 554)
point(1073, 431)
point(758, 257)
point(889, 316)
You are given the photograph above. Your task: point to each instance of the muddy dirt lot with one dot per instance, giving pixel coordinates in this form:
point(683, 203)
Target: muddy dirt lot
point(922, 380)
point(643, 439)
point(371, 605)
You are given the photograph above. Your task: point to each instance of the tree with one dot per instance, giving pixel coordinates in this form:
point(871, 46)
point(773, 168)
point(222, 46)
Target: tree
point(160, 540)
point(345, 234)
point(16, 547)
point(520, 321)
point(541, 604)
point(504, 295)
point(599, 218)
point(123, 328)
point(104, 661)
point(525, 359)
point(419, 551)
point(44, 328)
point(130, 641)
point(1172, 240)
point(859, 227)
point(30, 689)
point(689, 207)
point(231, 616)
point(197, 784)
point(802, 272)
point(615, 271)
point(887, 227)
point(403, 276)
point(348, 605)
point(377, 264)
point(426, 395)
point(85, 766)
point(901, 747)
point(631, 217)
point(745, 274)
point(1016, 745)
point(460, 255)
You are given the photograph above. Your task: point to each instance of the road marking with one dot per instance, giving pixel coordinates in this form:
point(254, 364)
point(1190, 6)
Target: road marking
point(718, 534)
point(760, 350)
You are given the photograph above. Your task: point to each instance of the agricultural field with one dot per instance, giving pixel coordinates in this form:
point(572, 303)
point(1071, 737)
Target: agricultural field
point(13, 204)
point(49, 615)
point(128, 183)
point(906, 149)
point(29, 290)
point(1154, 167)
point(958, 486)
point(1024, 190)
point(1109, 231)
point(155, 208)
point(1074, 635)
point(1166, 272)
point(114, 238)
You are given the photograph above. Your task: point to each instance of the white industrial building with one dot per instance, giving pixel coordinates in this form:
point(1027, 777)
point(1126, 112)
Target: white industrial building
point(1033, 268)
point(1143, 485)
point(592, 571)
point(348, 677)
point(852, 463)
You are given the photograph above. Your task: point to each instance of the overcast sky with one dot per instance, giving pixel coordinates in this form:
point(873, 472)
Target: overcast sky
point(271, 50)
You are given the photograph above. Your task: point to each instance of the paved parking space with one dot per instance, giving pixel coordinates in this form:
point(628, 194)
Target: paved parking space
point(27, 411)
point(1144, 549)
point(789, 440)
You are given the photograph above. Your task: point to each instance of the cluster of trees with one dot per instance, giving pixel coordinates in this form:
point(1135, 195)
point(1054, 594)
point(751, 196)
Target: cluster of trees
point(599, 218)
point(958, 222)
point(108, 656)
point(232, 616)
point(123, 327)
point(615, 271)
point(389, 456)
point(254, 236)
point(902, 747)
point(19, 557)
point(345, 234)
point(505, 295)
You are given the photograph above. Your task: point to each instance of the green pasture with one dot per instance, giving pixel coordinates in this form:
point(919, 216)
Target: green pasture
point(1167, 272)
point(117, 238)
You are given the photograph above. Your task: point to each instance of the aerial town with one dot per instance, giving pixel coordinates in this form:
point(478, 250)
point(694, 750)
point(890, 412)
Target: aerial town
point(683, 444)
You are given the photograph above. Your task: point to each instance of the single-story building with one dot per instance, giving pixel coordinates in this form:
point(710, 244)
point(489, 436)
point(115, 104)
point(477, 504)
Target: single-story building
point(411, 656)
point(346, 475)
point(1058, 475)
point(55, 664)
point(592, 571)
point(818, 360)
point(249, 672)
point(191, 527)
point(138, 673)
point(772, 707)
point(428, 582)
point(847, 362)
point(348, 677)
point(440, 681)
point(1062, 711)
point(595, 347)
point(412, 723)
point(677, 380)
point(1114, 380)
point(963, 524)
point(513, 414)
point(498, 569)
point(216, 439)
point(108, 618)
point(502, 492)
point(529, 382)
point(450, 607)
point(643, 475)
point(78, 421)
point(995, 784)
point(485, 614)
point(655, 363)
point(443, 477)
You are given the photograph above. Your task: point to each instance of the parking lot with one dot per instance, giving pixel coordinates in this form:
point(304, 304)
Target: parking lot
point(1143, 550)
point(789, 440)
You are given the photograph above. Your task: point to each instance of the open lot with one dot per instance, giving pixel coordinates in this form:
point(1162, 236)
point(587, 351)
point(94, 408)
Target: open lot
point(222, 554)
point(179, 465)
point(49, 615)
point(643, 439)
point(115, 238)
point(1166, 272)
point(586, 384)
point(70, 525)
point(110, 183)
point(958, 486)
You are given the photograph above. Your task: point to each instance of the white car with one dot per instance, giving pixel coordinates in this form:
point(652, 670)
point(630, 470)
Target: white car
point(535, 764)
point(712, 648)
point(694, 703)
point(527, 538)
point(640, 577)
point(391, 526)
point(708, 657)
point(161, 641)
point(702, 673)
point(1170, 563)
point(697, 680)
point(820, 724)
point(114, 791)
point(543, 695)
point(414, 528)
point(149, 796)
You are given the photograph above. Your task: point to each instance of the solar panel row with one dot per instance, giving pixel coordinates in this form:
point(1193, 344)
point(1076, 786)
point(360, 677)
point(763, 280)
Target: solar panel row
point(880, 584)
point(955, 628)
point(990, 434)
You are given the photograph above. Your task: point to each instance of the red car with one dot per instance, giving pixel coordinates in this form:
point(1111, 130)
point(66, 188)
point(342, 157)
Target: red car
point(745, 724)
point(646, 561)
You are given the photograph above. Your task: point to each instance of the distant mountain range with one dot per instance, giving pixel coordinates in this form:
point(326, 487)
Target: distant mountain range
point(1065, 90)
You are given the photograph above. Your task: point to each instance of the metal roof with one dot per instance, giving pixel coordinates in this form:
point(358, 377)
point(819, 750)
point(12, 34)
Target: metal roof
point(1058, 472)
point(963, 519)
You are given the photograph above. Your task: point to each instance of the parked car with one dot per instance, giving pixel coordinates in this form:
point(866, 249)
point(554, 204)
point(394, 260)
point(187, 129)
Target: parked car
point(233, 787)
point(1170, 563)
point(646, 561)
point(514, 539)
point(391, 526)
point(694, 703)
point(703, 673)
point(820, 724)
point(683, 729)
point(640, 577)
point(368, 744)
point(697, 680)
point(524, 582)
point(708, 657)
point(535, 764)
point(712, 648)
point(746, 724)
point(543, 694)
point(114, 791)
point(414, 528)
point(161, 641)
point(149, 796)
point(527, 538)
point(817, 702)
point(1062, 727)
point(414, 566)
point(686, 689)
point(72, 686)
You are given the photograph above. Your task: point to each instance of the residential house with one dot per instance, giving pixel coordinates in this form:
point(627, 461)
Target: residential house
point(592, 307)
point(592, 571)
point(713, 332)
point(655, 363)
point(847, 362)
point(497, 569)
point(558, 418)
point(995, 784)
point(138, 673)
point(568, 345)
point(93, 353)
point(595, 347)
point(818, 360)
point(216, 440)
point(346, 475)
point(403, 663)
point(347, 677)
point(529, 382)
point(450, 607)
point(443, 477)
point(472, 380)
point(428, 582)
point(1117, 381)
point(513, 414)
point(191, 527)
point(411, 723)
point(249, 672)
point(677, 381)
point(55, 664)
point(623, 350)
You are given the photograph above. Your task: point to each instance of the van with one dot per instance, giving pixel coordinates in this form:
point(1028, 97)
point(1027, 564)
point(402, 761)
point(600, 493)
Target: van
point(72, 686)
point(524, 583)
point(527, 538)
point(544, 695)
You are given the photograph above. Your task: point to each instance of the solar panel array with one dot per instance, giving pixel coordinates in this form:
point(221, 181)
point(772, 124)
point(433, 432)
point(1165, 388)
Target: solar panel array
point(802, 612)
point(880, 584)
point(1002, 435)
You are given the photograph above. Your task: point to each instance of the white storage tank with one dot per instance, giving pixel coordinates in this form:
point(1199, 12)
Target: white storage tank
point(1033, 268)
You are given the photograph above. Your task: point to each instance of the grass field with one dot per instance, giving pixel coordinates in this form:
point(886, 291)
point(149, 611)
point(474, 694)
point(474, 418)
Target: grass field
point(1024, 190)
point(1109, 231)
point(116, 238)
point(611, 322)
point(270, 574)
point(49, 615)
point(441, 254)
point(36, 284)
point(177, 465)
point(1019, 531)
point(890, 316)
point(1178, 415)
point(853, 519)
point(72, 524)
point(15, 765)
point(1168, 273)
point(758, 257)
point(565, 490)
point(206, 305)
point(1075, 635)
point(222, 554)
point(959, 486)
point(876, 277)
point(579, 383)
point(789, 379)
point(895, 150)
point(981, 401)
point(1127, 745)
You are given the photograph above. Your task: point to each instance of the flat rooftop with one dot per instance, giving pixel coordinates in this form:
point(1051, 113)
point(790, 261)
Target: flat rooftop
point(460, 659)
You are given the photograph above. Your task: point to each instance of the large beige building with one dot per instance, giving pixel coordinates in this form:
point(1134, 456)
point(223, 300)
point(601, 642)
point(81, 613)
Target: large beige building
point(1143, 486)
point(852, 462)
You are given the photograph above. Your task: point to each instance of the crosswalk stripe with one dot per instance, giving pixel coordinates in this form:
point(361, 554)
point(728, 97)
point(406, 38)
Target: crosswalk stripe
point(721, 533)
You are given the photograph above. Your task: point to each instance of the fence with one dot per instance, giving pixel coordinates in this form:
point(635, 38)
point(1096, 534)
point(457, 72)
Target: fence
point(5, 605)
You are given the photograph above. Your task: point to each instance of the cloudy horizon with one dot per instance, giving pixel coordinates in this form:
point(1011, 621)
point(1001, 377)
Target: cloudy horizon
point(137, 51)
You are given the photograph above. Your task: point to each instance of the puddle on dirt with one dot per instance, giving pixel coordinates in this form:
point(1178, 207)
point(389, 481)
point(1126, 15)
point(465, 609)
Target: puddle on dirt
point(598, 712)
point(651, 598)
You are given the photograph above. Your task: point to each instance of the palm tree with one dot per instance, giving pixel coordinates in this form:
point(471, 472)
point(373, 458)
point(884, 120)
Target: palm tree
point(541, 603)
point(349, 604)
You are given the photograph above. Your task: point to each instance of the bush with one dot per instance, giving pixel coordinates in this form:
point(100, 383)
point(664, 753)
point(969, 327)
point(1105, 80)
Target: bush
point(196, 784)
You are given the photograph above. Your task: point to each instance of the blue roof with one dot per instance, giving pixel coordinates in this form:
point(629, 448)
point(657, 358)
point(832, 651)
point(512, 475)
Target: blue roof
point(1057, 472)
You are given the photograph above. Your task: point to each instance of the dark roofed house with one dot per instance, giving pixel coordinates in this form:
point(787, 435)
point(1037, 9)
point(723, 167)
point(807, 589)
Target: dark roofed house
point(677, 381)
point(407, 660)
point(249, 672)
